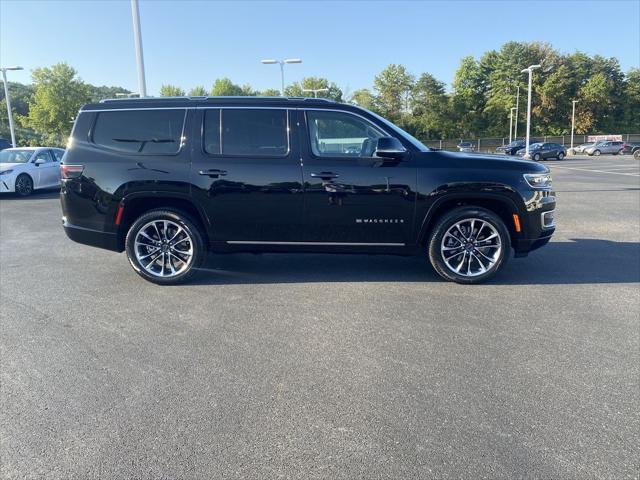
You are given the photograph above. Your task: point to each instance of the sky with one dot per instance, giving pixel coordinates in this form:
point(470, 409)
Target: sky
point(190, 43)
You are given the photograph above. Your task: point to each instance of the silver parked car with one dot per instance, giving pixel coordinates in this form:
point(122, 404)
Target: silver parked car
point(466, 147)
point(583, 147)
point(605, 146)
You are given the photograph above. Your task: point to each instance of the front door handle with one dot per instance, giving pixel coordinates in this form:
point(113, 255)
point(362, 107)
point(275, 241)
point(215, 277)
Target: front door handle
point(214, 173)
point(325, 175)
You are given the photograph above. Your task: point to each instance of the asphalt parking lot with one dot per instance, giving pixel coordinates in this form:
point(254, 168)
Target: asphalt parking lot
point(323, 366)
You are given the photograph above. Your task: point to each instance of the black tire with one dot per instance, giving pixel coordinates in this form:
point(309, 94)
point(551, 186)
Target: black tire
point(24, 185)
point(636, 154)
point(194, 241)
point(537, 157)
point(596, 153)
point(560, 156)
point(448, 221)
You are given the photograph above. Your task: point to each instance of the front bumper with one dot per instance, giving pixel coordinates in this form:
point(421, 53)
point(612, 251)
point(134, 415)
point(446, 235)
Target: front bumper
point(7, 183)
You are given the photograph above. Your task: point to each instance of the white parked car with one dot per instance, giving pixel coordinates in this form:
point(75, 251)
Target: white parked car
point(23, 170)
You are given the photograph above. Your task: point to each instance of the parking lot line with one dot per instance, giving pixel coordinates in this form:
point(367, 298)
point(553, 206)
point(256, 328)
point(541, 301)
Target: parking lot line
point(598, 171)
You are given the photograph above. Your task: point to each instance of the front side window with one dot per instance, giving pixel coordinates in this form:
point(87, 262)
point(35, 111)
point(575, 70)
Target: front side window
point(253, 132)
point(43, 155)
point(339, 134)
point(140, 131)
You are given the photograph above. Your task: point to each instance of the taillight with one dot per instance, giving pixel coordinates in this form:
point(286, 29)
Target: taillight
point(71, 171)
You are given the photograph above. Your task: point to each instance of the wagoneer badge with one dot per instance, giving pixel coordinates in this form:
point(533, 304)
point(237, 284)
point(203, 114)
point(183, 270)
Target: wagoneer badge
point(379, 220)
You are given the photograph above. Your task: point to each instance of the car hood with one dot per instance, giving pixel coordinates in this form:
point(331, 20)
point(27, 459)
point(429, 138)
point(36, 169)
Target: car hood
point(6, 166)
point(482, 161)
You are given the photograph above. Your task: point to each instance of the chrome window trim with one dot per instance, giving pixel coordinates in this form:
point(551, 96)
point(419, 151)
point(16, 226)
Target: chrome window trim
point(98, 110)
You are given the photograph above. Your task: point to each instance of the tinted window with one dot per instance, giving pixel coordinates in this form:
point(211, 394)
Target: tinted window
point(43, 155)
point(341, 134)
point(259, 132)
point(140, 131)
point(58, 154)
point(211, 136)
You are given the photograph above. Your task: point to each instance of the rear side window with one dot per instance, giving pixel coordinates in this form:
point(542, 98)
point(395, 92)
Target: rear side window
point(255, 132)
point(140, 131)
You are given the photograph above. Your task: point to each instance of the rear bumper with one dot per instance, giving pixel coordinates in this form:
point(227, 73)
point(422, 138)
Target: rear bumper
point(87, 236)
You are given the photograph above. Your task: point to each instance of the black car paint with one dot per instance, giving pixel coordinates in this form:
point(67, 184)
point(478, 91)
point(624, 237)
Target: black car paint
point(387, 204)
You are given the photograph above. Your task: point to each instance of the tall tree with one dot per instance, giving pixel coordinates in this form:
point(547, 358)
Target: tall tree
point(58, 95)
point(297, 89)
point(393, 86)
point(223, 87)
point(270, 92)
point(430, 108)
point(364, 98)
point(171, 91)
point(198, 91)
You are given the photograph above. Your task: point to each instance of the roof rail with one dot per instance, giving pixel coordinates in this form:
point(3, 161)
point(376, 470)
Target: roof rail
point(246, 98)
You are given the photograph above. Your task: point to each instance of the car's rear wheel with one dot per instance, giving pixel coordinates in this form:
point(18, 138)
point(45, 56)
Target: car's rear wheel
point(636, 154)
point(596, 153)
point(560, 156)
point(165, 246)
point(469, 245)
point(537, 157)
point(24, 185)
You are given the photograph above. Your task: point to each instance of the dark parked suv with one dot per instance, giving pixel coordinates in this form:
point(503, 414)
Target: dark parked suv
point(168, 179)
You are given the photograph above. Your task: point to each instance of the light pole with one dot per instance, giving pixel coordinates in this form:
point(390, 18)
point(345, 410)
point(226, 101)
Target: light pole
point(315, 91)
point(137, 37)
point(511, 122)
point(529, 69)
point(573, 119)
point(6, 95)
point(515, 128)
point(281, 63)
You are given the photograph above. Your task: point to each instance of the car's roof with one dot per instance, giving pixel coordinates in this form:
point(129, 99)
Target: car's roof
point(177, 102)
point(33, 148)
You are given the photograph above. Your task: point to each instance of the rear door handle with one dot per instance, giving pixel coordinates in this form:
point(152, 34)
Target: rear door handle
point(325, 175)
point(214, 173)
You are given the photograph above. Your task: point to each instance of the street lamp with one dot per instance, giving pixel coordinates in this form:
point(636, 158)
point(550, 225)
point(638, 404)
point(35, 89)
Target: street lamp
point(529, 69)
point(6, 95)
point(515, 128)
point(281, 63)
point(137, 37)
point(573, 119)
point(315, 91)
point(511, 121)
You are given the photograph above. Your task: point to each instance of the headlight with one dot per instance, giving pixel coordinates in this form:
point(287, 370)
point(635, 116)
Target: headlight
point(6, 172)
point(538, 180)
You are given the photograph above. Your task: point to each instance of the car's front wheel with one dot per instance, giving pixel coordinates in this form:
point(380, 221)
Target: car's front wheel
point(537, 157)
point(24, 185)
point(596, 153)
point(469, 245)
point(165, 246)
point(560, 156)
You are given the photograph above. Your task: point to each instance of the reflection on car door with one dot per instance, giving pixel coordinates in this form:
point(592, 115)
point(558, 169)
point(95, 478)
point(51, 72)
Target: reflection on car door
point(47, 173)
point(351, 196)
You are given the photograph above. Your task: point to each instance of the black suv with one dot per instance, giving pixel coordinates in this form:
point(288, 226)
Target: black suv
point(168, 179)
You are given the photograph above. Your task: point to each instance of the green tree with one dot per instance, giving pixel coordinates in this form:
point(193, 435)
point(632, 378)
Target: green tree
point(297, 89)
point(364, 98)
point(20, 97)
point(393, 86)
point(198, 91)
point(171, 91)
point(430, 108)
point(104, 92)
point(270, 92)
point(223, 87)
point(631, 118)
point(58, 95)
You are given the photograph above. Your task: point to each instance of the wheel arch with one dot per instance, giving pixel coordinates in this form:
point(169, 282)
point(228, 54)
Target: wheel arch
point(501, 205)
point(135, 205)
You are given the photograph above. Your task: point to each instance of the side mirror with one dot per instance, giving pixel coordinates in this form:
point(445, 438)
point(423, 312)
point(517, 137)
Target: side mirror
point(39, 162)
point(390, 147)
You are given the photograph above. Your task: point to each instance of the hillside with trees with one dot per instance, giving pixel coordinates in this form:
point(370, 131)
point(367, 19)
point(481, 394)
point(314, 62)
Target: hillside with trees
point(476, 105)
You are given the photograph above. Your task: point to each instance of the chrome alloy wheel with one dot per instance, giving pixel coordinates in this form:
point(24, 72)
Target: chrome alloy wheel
point(471, 247)
point(163, 248)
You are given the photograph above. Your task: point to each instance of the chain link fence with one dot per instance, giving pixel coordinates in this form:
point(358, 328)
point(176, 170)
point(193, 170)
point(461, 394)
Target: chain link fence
point(489, 144)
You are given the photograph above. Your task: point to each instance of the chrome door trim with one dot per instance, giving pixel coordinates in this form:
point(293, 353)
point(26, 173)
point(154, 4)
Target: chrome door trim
point(348, 244)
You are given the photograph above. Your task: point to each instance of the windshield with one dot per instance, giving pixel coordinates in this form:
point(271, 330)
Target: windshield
point(413, 140)
point(535, 145)
point(15, 156)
